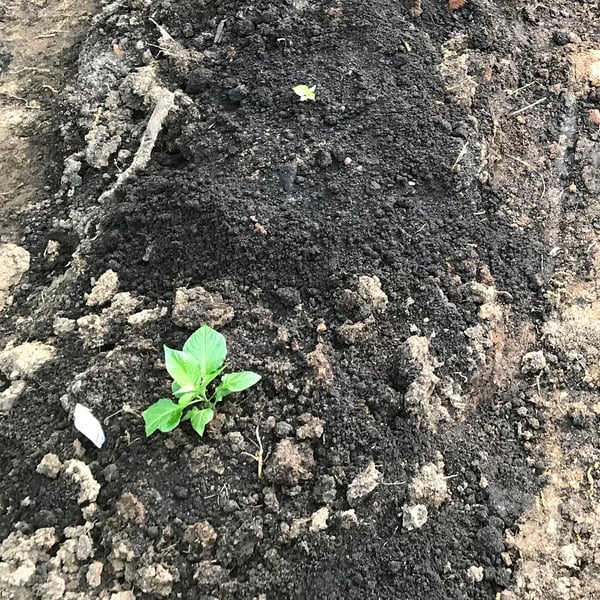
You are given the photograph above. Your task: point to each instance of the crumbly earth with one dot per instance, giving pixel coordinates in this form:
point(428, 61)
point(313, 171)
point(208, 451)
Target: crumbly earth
point(410, 262)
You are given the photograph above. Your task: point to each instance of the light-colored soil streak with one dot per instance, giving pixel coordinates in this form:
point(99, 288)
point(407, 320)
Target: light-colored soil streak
point(555, 553)
point(36, 38)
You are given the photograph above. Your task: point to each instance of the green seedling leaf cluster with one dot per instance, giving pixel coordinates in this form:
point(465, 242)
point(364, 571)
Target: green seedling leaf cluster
point(304, 92)
point(195, 371)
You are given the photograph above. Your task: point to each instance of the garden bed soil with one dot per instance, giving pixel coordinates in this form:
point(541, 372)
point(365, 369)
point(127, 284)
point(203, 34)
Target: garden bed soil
point(408, 261)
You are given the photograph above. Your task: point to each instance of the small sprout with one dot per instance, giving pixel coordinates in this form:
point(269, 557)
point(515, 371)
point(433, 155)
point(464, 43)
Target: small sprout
point(304, 92)
point(195, 370)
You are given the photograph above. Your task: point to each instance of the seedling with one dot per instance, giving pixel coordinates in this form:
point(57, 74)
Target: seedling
point(195, 370)
point(304, 92)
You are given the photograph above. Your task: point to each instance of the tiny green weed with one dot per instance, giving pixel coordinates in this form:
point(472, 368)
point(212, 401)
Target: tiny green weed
point(195, 370)
point(304, 92)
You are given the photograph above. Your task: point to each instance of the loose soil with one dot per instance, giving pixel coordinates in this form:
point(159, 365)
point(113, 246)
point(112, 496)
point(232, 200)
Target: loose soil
point(409, 262)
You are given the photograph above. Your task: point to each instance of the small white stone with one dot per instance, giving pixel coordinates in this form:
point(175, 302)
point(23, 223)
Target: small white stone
point(319, 519)
point(49, 466)
point(348, 519)
point(475, 574)
point(17, 362)
point(104, 289)
point(414, 516)
point(94, 574)
point(533, 362)
point(363, 484)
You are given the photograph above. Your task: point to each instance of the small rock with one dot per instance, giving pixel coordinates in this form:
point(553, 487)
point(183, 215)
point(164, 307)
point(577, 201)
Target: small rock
point(312, 428)
point(146, 316)
point(414, 516)
point(93, 330)
point(131, 508)
point(85, 548)
point(53, 588)
point(369, 289)
point(90, 511)
point(81, 474)
point(430, 485)
point(157, 579)
point(354, 333)
point(480, 293)
point(297, 528)
point(194, 307)
point(210, 574)
point(94, 574)
point(283, 429)
point(78, 448)
point(49, 466)
point(348, 519)
point(200, 538)
point(10, 395)
point(290, 464)
point(363, 484)
point(318, 520)
point(508, 595)
point(317, 359)
point(14, 263)
point(122, 596)
point(475, 574)
point(414, 376)
point(62, 327)
point(123, 304)
point(236, 441)
point(533, 362)
point(19, 362)
point(104, 289)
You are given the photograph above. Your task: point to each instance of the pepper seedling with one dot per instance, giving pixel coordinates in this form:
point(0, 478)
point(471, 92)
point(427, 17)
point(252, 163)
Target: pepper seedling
point(195, 370)
point(304, 92)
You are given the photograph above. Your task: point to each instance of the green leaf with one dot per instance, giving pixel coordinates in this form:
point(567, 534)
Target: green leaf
point(184, 397)
point(163, 415)
point(208, 347)
point(200, 418)
point(235, 382)
point(240, 381)
point(183, 368)
point(305, 92)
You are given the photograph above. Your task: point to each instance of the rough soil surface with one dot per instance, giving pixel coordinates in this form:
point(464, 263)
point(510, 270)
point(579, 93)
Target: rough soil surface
point(410, 262)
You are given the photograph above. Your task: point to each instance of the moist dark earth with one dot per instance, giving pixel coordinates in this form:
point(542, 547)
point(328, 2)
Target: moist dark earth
point(367, 253)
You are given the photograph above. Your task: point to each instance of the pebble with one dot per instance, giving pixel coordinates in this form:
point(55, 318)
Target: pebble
point(49, 466)
point(363, 484)
point(475, 574)
point(533, 362)
point(318, 520)
point(414, 516)
point(94, 574)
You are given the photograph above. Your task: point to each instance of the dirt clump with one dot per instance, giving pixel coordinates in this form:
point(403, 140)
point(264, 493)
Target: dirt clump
point(291, 463)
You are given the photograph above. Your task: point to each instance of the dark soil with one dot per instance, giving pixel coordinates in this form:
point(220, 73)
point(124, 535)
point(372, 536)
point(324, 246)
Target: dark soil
point(279, 206)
